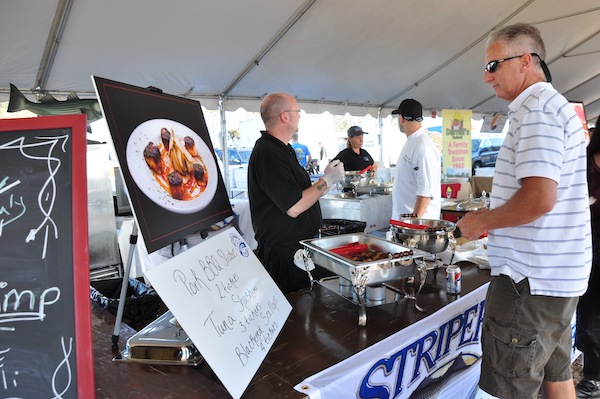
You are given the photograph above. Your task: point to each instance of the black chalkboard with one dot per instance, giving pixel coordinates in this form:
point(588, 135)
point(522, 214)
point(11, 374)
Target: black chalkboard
point(45, 321)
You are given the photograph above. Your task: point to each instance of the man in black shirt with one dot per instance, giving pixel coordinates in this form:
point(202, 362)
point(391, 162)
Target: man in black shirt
point(283, 203)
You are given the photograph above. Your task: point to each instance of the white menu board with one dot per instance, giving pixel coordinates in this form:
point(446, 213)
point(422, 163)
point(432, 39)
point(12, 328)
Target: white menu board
point(226, 302)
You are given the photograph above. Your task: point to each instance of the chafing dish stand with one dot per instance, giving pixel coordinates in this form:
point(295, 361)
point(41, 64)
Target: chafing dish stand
point(371, 273)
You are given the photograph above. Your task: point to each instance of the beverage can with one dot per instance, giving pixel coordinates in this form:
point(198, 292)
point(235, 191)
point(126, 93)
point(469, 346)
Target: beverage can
point(453, 283)
point(449, 192)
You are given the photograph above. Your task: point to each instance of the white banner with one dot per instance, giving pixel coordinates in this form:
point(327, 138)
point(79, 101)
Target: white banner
point(425, 352)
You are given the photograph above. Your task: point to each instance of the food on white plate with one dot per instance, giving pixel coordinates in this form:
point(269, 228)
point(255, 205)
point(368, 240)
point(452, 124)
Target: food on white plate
point(199, 171)
point(176, 185)
point(165, 136)
point(190, 145)
point(176, 165)
point(153, 158)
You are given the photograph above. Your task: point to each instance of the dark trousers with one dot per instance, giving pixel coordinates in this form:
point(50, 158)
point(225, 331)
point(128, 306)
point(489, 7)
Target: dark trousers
point(587, 334)
point(278, 259)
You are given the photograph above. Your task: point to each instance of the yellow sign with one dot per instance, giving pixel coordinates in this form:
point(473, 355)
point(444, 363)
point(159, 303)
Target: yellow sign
point(456, 142)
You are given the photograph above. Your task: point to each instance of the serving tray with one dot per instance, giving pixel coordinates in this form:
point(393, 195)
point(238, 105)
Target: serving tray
point(371, 273)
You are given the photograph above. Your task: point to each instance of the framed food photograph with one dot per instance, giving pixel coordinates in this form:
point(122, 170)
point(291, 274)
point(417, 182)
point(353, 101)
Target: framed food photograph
point(167, 160)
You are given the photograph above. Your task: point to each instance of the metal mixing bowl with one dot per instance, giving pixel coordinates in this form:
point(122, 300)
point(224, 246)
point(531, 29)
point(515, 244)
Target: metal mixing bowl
point(433, 239)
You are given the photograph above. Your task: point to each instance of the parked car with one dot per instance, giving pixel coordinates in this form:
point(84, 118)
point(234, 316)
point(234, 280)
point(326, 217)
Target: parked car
point(237, 172)
point(485, 151)
point(237, 155)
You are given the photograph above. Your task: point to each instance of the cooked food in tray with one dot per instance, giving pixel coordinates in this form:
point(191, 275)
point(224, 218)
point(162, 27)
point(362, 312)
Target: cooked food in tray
point(361, 252)
point(176, 165)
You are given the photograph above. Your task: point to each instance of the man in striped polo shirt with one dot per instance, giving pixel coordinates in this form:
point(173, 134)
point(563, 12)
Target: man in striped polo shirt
point(539, 241)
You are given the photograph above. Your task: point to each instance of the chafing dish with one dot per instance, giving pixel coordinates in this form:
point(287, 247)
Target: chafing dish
point(370, 273)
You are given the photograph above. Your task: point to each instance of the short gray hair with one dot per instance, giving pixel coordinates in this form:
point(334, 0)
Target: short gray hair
point(522, 38)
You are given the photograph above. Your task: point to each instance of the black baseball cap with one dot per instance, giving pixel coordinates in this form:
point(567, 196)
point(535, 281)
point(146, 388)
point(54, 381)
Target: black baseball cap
point(410, 109)
point(354, 131)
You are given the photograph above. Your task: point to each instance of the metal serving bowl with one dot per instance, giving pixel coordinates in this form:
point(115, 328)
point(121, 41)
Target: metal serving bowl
point(365, 179)
point(433, 239)
point(474, 204)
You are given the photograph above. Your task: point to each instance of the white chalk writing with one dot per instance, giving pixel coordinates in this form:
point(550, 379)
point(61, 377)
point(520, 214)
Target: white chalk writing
point(9, 215)
point(13, 207)
point(9, 379)
point(23, 305)
point(64, 376)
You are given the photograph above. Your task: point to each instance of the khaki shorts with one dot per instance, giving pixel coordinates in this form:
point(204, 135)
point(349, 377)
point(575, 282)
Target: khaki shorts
point(526, 339)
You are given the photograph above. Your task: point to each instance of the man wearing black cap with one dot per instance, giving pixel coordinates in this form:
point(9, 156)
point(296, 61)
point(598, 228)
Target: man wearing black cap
point(353, 156)
point(417, 179)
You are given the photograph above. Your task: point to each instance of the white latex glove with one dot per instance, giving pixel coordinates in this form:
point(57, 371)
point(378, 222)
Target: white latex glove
point(302, 262)
point(334, 172)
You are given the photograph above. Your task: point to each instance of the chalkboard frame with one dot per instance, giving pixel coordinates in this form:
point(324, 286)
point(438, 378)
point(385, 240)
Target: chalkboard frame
point(79, 212)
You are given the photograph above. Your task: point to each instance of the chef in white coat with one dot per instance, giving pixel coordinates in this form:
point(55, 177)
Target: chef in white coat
point(417, 179)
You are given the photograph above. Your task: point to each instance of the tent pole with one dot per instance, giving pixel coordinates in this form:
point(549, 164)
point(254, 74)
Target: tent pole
point(54, 38)
point(225, 150)
point(380, 126)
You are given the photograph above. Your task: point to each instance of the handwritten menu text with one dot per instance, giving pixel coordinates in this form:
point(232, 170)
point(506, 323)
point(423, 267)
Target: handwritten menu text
point(226, 302)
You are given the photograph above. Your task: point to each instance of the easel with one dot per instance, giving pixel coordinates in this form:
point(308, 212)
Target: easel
point(133, 237)
point(121, 308)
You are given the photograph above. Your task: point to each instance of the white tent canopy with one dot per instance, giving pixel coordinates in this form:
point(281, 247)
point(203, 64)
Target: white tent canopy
point(363, 57)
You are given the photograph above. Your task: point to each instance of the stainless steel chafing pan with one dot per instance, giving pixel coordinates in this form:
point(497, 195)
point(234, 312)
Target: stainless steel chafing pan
point(369, 273)
point(373, 272)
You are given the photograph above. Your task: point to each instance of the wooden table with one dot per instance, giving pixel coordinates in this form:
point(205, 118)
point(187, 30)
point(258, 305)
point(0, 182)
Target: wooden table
point(321, 330)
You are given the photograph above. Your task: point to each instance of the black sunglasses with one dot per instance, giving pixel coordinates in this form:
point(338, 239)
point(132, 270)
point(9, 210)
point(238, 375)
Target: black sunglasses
point(493, 65)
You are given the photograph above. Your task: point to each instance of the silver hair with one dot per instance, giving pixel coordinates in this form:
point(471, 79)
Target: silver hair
point(521, 38)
